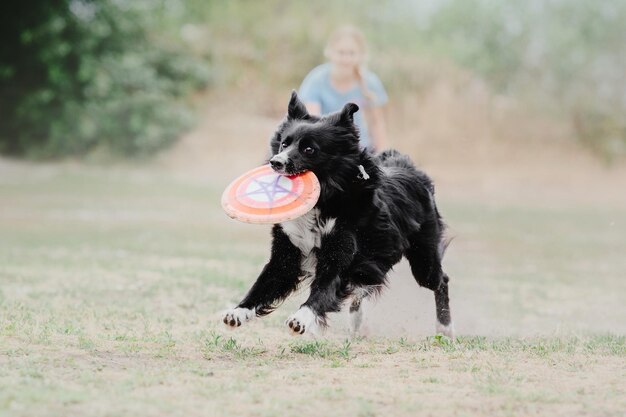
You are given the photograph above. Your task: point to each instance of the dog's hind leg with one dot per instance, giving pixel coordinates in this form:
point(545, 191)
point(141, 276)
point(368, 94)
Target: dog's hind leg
point(442, 305)
point(368, 279)
point(356, 316)
point(357, 313)
point(424, 256)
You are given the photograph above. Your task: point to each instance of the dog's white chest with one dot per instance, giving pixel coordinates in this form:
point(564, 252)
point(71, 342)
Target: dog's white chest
point(306, 233)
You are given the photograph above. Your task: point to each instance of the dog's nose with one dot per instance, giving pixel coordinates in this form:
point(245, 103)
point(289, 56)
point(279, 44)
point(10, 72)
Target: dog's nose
point(276, 164)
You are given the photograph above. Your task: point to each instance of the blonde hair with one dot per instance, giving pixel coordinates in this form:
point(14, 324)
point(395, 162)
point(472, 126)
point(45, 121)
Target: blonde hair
point(357, 36)
point(343, 32)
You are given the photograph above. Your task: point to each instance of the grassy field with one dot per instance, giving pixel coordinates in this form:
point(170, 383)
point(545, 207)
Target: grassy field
point(112, 280)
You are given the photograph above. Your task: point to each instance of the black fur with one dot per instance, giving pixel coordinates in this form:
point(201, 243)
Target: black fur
point(378, 219)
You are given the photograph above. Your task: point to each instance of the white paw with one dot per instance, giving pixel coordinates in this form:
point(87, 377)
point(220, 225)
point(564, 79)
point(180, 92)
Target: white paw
point(237, 316)
point(446, 330)
point(303, 321)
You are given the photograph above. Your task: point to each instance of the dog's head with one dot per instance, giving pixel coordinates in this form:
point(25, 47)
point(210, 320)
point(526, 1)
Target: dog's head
point(306, 142)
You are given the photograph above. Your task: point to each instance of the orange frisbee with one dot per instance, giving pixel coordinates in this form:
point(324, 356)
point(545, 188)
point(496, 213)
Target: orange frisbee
point(264, 196)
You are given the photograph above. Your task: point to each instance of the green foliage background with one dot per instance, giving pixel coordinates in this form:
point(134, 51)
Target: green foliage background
point(81, 75)
point(78, 75)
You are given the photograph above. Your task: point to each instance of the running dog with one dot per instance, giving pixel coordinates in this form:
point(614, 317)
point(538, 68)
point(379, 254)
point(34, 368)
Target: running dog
point(373, 210)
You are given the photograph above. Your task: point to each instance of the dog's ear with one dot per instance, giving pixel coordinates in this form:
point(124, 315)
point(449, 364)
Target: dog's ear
point(296, 108)
point(347, 113)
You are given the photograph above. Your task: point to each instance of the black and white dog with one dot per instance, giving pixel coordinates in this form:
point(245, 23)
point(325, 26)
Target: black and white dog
point(373, 209)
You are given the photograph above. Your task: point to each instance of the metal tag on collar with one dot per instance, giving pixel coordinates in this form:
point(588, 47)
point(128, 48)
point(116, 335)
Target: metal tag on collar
point(362, 174)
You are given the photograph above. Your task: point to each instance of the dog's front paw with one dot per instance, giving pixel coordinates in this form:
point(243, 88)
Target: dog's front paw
point(303, 321)
point(237, 316)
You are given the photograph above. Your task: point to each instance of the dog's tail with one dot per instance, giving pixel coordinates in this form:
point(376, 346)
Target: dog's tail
point(393, 158)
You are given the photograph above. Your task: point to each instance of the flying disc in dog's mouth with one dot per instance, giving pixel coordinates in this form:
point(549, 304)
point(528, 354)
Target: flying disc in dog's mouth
point(265, 196)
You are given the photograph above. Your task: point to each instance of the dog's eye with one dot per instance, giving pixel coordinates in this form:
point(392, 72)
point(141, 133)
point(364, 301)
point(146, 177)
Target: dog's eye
point(309, 151)
point(283, 145)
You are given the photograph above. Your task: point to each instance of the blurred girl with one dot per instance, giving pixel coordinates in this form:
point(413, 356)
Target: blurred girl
point(344, 79)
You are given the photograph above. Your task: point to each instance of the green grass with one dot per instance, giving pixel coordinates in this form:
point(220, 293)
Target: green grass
point(111, 285)
point(322, 349)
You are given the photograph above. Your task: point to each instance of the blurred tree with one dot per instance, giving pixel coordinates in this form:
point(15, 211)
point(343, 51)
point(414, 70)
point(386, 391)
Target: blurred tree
point(81, 74)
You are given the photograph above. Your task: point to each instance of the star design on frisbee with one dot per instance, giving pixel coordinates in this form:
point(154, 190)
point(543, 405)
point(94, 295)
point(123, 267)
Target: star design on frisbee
point(268, 188)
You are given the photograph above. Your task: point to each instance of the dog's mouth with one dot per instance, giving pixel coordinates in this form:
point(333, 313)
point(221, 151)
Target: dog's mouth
point(293, 174)
point(289, 170)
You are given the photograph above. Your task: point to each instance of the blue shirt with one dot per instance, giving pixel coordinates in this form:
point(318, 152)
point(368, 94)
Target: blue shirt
point(317, 88)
